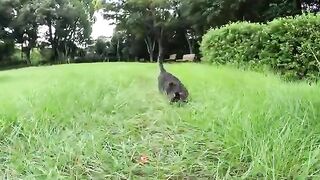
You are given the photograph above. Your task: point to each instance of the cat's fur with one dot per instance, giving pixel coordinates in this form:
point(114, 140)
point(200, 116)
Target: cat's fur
point(171, 86)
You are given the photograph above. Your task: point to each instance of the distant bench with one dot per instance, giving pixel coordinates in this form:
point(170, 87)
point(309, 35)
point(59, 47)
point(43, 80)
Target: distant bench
point(187, 57)
point(172, 57)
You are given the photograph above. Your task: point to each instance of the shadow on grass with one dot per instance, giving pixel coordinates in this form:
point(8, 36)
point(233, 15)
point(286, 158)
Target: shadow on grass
point(19, 65)
point(12, 67)
point(6, 67)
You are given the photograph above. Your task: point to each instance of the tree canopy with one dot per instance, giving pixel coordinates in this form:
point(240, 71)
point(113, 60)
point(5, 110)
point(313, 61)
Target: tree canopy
point(162, 23)
point(151, 29)
point(67, 24)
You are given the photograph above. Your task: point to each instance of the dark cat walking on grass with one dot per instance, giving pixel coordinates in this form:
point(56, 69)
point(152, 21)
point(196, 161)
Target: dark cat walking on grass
point(171, 86)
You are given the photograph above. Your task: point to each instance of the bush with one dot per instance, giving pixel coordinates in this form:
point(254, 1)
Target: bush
point(6, 50)
point(293, 46)
point(16, 55)
point(36, 57)
point(47, 54)
point(14, 60)
point(233, 43)
point(289, 45)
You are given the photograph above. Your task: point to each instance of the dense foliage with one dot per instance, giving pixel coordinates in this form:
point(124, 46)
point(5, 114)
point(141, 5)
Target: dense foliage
point(236, 42)
point(289, 45)
point(145, 29)
point(163, 27)
point(66, 26)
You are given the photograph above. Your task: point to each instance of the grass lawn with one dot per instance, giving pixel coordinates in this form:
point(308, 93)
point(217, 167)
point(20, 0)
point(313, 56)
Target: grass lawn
point(97, 120)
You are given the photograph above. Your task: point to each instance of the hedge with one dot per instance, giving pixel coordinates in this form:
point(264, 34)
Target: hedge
point(288, 45)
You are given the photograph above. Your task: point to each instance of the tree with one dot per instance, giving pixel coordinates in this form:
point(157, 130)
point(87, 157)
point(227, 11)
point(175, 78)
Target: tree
point(102, 47)
point(265, 10)
point(7, 8)
point(7, 13)
point(25, 27)
point(68, 22)
point(147, 19)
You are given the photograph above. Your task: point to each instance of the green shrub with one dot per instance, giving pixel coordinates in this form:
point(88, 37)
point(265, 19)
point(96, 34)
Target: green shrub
point(36, 57)
point(293, 46)
point(6, 50)
point(233, 43)
point(16, 55)
point(289, 45)
point(47, 54)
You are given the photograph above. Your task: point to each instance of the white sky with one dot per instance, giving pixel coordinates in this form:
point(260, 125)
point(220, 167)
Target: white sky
point(101, 27)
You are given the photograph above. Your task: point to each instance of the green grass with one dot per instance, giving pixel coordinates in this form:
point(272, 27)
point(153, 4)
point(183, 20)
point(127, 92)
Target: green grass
point(95, 120)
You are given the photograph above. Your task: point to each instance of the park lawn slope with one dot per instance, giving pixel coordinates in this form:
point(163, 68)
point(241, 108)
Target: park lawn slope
point(97, 120)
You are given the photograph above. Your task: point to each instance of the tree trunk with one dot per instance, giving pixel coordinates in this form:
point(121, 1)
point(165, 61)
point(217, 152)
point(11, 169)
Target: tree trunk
point(189, 44)
point(150, 47)
point(50, 31)
point(58, 55)
point(67, 53)
point(28, 55)
point(160, 48)
point(160, 45)
point(52, 41)
point(118, 53)
point(151, 56)
point(21, 53)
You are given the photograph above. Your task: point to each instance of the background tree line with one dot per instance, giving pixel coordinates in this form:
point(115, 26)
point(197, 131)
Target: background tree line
point(148, 29)
point(153, 29)
point(67, 27)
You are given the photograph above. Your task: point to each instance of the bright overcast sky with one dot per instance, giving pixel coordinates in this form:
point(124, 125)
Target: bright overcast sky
point(101, 27)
